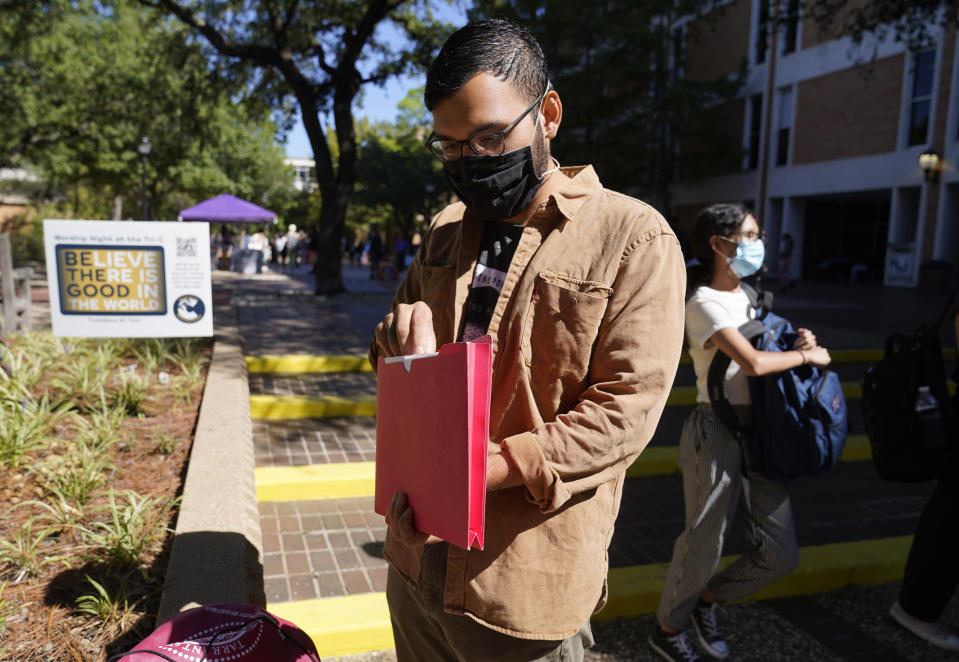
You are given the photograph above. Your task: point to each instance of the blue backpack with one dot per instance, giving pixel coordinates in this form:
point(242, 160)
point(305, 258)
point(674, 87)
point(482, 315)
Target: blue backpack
point(800, 422)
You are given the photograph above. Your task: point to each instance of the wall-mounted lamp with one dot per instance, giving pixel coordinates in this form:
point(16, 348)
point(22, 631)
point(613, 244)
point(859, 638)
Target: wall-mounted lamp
point(931, 164)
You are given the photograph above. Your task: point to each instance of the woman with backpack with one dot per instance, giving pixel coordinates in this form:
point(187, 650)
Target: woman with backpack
point(728, 246)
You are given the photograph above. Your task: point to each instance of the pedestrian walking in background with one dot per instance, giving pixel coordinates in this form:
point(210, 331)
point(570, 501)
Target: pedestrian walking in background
point(356, 248)
point(311, 246)
point(293, 247)
point(581, 289)
point(932, 573)
point(728, 245)
point(374, 249)
point(281, 250)
point(415, 241)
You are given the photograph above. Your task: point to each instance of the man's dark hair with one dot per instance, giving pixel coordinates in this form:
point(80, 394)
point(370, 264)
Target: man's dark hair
point(497, 46)
point(723, 219)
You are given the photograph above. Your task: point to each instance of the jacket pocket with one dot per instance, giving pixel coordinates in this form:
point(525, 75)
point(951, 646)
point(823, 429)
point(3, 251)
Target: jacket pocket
point(437, 285)
point(561, 324)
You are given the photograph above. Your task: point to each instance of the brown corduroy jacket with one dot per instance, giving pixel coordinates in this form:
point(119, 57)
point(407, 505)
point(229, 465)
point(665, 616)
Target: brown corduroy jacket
point(587, 333)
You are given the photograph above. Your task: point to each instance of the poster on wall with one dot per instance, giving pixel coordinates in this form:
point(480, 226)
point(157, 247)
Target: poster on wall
point(129, 279)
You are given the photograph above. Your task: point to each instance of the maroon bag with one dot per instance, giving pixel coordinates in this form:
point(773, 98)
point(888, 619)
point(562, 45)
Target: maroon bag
point(224, 632)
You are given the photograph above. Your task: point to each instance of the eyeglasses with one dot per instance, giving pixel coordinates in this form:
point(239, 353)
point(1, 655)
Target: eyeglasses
point(748, 236)
point(488, 143)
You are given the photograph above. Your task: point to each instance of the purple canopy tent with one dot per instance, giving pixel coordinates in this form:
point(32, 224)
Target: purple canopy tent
point(227, 208)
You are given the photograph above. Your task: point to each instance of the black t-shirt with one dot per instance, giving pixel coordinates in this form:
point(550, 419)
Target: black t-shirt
point(496, 252)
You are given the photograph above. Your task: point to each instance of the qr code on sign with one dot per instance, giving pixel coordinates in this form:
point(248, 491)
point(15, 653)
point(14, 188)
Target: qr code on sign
point(185, 247)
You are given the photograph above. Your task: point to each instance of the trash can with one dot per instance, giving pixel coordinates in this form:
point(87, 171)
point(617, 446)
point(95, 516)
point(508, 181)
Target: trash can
point(247, 262)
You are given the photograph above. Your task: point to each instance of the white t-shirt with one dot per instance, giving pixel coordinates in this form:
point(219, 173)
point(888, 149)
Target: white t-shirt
point(708, 311)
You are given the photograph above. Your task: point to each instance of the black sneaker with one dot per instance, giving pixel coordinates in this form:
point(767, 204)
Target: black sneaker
point(707, 631)
point(672, 647)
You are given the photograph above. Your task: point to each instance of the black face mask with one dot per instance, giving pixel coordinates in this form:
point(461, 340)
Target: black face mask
point(495, 187)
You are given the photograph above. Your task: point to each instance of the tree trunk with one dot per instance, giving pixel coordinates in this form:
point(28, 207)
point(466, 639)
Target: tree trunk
point(328, 269)
point(117, 207)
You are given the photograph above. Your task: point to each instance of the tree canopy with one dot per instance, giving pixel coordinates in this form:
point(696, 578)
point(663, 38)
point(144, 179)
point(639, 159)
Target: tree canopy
point(399, 182)
point(320, 54)
point(85, 80)
point(911, 21)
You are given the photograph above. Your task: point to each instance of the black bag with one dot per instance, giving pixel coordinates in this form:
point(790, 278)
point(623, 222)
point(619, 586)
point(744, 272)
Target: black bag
point(909, 417)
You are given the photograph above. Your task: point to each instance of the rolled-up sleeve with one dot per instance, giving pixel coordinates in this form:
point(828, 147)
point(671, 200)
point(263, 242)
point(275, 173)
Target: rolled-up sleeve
point(633, 365)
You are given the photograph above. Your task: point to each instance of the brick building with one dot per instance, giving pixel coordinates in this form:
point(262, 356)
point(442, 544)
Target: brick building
point(303, 173)
point(831, 137)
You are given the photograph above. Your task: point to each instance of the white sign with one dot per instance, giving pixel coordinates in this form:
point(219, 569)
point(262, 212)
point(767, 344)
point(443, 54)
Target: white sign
point(129, 279)
point(900, 265)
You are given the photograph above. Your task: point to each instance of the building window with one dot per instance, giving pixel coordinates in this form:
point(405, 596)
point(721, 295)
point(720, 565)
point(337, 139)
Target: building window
point(755, 129)
point(790, 23)
point(920, 107)
point(784, 126)
point(762, 31)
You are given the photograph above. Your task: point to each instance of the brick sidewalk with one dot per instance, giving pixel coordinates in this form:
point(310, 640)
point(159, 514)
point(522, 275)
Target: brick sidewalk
point(849, 504)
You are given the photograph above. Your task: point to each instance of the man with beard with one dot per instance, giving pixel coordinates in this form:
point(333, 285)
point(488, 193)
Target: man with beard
point(581, 289)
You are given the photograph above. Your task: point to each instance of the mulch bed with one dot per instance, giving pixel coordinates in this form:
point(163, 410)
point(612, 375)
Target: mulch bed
point(44, 623)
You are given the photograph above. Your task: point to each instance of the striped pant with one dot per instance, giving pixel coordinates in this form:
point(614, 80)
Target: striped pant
point(715, 491)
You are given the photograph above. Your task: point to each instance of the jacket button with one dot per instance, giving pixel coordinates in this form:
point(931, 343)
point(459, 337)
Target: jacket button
point(572, 300)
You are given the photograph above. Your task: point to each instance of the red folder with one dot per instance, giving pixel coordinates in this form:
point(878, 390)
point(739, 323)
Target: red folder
point(432, 429)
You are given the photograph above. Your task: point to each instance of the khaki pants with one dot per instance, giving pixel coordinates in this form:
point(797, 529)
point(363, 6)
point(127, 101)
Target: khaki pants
point(714, 492)
point(423, 632)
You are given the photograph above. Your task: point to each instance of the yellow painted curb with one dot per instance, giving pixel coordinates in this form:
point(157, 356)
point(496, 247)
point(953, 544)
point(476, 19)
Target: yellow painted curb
point(852, 390)
point(661, 460)
point(293, 363)
point(635, 590)
point(357, 479)
point(686, 395)
point(300, 363)
point(342, 626)
point(681, 395)
point(856, 355)
point(361, 623)
point(655, 461)
point(316, 481)
point(857, 449)
point(297, 406)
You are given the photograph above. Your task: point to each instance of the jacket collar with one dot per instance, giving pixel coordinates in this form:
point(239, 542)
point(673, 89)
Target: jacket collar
point(578, 185)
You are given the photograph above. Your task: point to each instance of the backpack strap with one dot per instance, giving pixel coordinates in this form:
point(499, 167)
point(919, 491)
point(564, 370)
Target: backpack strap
point(761, 301)
point(716, 377)
point(716, 380)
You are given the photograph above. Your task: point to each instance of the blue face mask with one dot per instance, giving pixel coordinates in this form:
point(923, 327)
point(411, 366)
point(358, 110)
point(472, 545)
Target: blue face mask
point(748, 259)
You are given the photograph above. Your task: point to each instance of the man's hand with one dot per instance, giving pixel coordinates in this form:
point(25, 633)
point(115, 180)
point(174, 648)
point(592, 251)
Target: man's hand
point(407, 330)
point(399, 517)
